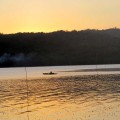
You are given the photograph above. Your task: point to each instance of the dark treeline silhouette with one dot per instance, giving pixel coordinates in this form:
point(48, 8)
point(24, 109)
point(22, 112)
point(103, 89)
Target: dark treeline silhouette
point(60, 48)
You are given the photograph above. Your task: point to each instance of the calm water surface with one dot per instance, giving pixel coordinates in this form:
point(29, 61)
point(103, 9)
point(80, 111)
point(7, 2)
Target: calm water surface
point(37, 72)
point(66, 96)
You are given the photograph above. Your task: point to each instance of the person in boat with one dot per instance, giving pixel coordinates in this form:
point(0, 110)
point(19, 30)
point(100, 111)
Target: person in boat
point(51, 72)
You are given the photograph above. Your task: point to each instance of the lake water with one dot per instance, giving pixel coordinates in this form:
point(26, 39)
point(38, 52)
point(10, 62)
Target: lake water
point(69, 95)
point(37, 72)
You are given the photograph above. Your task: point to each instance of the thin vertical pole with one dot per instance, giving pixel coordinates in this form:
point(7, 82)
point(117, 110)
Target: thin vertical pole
point(27, 93)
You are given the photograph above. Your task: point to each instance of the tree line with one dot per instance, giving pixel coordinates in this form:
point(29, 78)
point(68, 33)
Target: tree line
point(60, 48)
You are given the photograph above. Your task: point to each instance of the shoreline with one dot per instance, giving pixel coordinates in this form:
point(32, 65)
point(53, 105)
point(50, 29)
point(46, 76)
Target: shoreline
point(93, 70)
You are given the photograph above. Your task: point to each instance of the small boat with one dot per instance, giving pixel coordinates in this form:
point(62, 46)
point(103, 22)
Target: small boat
point(50, 73)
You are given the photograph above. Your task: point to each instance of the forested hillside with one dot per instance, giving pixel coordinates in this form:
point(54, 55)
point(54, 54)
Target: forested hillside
point(60, 48)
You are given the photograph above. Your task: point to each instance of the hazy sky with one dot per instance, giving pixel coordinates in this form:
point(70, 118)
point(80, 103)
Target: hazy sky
point(52, 15)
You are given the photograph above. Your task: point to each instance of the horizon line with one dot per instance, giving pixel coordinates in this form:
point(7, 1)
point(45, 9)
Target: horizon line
point(63, 30)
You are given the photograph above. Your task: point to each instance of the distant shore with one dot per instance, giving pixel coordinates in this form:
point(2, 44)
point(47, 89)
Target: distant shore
point(93, 70)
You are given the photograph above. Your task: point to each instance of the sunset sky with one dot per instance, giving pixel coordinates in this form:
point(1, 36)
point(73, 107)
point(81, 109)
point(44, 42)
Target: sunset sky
point(52, 15)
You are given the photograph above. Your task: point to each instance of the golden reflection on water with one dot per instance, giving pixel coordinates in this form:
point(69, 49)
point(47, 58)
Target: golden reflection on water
point(90, 97)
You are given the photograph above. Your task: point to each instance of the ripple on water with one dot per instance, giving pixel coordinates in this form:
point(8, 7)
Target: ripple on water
point(50, 94)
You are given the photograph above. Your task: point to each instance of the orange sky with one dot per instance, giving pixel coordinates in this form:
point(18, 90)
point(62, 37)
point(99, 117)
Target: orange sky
point(52, 15)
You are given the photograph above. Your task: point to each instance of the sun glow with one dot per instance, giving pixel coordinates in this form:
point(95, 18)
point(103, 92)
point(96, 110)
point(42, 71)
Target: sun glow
point(47, 16)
